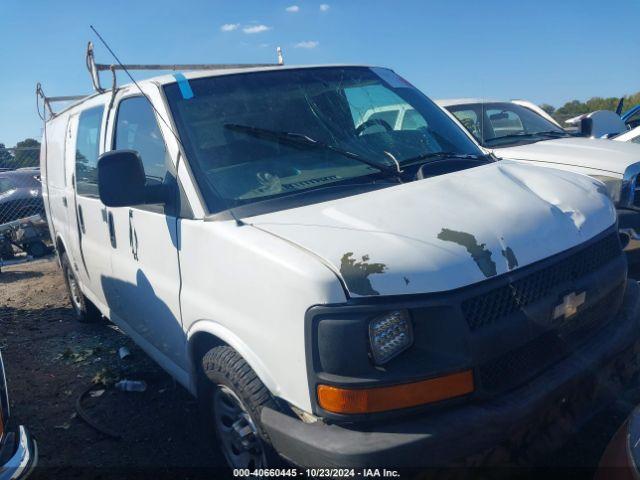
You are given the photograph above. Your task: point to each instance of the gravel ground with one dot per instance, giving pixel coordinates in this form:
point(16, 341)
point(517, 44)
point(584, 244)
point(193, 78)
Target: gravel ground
point(51, 360)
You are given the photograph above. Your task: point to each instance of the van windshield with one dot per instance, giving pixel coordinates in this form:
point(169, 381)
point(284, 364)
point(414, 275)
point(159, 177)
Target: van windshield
point(260, 135)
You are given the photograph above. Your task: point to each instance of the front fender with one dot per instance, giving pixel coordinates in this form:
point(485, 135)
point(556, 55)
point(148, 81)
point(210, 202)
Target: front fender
point(221, 332)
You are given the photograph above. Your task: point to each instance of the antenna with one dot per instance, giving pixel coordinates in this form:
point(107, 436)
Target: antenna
point(124, 68)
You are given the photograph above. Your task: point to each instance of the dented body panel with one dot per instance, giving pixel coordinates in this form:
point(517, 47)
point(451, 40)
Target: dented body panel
point(447, 232)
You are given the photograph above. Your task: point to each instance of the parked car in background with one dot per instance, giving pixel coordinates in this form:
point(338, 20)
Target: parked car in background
point(336, 288)
point(20, 195)
point(517, 131)
point(18, 450)
point(632, 135)
point(631, 117)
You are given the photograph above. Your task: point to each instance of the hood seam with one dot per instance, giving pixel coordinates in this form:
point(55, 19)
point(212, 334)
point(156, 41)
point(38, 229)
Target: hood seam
point(558, 163)
point(321, 259)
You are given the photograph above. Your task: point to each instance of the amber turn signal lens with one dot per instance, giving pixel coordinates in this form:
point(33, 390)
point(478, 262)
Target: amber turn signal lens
point(380, 399)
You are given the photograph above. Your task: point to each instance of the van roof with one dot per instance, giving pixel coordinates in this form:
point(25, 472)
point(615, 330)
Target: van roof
point(195, 74)
point(170, 78)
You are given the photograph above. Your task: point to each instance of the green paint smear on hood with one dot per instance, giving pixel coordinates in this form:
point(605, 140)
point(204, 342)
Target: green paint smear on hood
point(356, 273)
point(481, 256)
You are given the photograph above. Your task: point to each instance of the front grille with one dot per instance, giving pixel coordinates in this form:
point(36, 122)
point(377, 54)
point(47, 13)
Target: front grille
point(522, 364)
point(491, 306)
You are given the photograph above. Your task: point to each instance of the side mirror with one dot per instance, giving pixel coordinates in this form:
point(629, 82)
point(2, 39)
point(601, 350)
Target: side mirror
point(122, 181)
point(586, 126)
point(600, 123)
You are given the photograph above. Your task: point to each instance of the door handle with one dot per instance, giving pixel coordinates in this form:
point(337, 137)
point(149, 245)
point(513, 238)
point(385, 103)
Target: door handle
point(112, 230)
point(64, 202)
point(133, 237)
point(81, 219)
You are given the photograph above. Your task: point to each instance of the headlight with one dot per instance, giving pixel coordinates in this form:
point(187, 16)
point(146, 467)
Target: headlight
point(612, 185)
point(390, 334)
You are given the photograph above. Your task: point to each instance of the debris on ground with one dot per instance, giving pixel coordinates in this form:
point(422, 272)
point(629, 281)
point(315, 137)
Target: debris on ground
point(132, 385)
point(37, 327)
point(105, 377)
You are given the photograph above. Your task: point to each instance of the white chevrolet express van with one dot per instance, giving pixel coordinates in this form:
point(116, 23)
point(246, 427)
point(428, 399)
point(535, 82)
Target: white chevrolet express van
point(335, 290)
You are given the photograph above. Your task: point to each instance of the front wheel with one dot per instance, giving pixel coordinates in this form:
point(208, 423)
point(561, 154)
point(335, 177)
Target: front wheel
point(234, 398)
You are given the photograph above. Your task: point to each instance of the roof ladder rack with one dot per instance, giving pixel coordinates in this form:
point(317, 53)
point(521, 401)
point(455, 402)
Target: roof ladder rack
point(95, 68)
point(49, 100)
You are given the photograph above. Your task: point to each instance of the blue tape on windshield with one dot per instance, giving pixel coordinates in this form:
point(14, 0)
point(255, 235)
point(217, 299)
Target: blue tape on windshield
point(183, 85)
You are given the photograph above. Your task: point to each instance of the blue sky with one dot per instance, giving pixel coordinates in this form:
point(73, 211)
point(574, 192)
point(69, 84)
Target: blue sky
point(544, 51)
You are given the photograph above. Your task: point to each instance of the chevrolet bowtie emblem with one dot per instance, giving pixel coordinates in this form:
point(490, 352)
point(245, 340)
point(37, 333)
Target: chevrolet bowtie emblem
point(569, 306)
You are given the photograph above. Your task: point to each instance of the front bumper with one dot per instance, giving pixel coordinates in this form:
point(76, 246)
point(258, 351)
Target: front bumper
point(19, 455)
point(594, 373)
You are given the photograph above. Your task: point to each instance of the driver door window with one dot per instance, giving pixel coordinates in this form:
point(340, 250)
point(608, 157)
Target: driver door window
point(137, 129)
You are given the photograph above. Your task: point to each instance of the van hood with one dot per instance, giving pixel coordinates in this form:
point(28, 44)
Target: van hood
point(597, 153)
point(449, 231)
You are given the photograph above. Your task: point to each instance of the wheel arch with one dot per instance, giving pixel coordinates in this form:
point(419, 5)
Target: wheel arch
point(60, 248)
point(204, 335)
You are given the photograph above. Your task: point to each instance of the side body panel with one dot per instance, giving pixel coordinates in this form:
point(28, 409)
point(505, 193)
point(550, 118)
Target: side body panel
point(252, 290)
point(73, 233)
point(143, 290)
point(89, 223)
point(52, 170)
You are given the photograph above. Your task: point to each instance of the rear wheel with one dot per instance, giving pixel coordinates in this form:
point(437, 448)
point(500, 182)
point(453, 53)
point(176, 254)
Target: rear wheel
point(83, 309)
point(234, 398)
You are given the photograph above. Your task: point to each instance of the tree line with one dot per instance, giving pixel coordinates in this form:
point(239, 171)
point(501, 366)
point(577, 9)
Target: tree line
point(25, 154)
point(576, 107)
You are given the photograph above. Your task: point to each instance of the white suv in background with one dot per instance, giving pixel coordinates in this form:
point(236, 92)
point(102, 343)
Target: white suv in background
point(519, 130)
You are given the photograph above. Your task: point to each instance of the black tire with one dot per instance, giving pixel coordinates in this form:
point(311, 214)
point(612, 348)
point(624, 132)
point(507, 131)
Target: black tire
point(228, 372)
point(84, 310)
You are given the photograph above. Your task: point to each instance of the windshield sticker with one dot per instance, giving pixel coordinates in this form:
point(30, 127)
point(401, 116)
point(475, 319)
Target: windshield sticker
point(183, 85)
point(392, 78)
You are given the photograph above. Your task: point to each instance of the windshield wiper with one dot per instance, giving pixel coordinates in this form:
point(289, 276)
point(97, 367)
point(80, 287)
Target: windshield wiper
point(552, 133)
point(302, 140)
point(511, 135)
point(548, 133)
point(426, 156)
